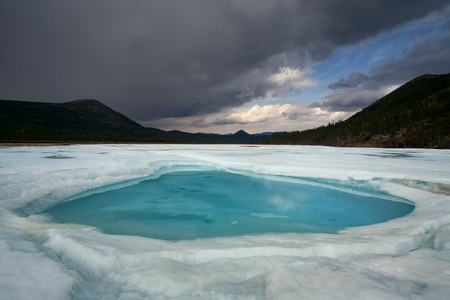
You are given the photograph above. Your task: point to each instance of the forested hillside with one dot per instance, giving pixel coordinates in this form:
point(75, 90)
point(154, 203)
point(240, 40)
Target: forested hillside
point(79, 120)
point(416, 114)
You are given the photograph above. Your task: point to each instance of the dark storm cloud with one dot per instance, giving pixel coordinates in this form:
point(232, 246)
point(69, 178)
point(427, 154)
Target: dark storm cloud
point(352, 81)
point(153, 59)
point(427, 57)
point(351, 100)
point(359, 90)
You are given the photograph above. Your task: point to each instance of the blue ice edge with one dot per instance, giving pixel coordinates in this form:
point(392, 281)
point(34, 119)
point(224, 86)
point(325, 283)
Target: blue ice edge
point(191, 201)
point(358, 187)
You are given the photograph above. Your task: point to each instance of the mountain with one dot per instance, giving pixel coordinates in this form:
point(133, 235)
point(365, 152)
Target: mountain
point(240, 137)
point(79, 120)
point(91, 121)
point(416, 114)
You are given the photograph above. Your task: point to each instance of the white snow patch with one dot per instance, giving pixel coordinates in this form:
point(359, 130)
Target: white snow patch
point(40, 259)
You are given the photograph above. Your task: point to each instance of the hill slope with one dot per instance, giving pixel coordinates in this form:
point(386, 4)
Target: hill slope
point(79, 120)
point(416, 114)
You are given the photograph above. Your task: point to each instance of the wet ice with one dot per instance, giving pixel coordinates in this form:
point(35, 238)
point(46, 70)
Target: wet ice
point(190, 205)
point(403, 258)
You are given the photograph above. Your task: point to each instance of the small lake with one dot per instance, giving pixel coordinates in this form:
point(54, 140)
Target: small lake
point(190, 205)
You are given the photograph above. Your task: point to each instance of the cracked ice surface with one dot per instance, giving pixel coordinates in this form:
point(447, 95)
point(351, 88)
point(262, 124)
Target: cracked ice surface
point(404, 258)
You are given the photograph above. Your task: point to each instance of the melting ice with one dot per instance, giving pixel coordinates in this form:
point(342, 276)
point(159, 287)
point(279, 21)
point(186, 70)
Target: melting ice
point(42, 257)
point(190, 205)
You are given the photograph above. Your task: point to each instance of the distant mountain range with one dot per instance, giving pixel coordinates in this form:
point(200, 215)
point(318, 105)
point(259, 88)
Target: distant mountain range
point(416, 114)
point(91, 121)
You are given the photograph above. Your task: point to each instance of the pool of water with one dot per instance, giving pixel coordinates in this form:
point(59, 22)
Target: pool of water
point(190, 205)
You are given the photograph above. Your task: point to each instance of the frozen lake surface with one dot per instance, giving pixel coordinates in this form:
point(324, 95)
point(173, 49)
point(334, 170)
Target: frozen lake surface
point(191, 205)
point(403, 258)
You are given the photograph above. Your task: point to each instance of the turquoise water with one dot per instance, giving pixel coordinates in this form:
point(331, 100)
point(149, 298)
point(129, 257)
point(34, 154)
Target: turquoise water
point(190, 205)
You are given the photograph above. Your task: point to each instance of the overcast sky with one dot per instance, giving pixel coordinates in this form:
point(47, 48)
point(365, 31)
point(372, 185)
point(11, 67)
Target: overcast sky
point(220, 66)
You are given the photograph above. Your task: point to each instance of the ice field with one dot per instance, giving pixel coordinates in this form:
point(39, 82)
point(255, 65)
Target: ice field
point(403, 258)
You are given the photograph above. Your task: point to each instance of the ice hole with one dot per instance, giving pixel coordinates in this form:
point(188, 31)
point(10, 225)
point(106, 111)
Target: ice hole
point(190, 205)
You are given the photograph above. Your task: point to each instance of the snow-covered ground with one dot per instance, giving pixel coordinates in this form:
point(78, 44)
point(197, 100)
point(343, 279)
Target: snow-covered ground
point(405, 258)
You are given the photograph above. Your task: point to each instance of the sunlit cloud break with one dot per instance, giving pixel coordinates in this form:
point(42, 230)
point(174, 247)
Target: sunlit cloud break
point(258, 114)
point(268, 113)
